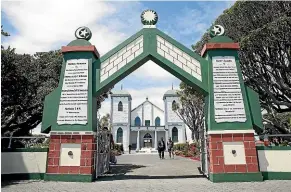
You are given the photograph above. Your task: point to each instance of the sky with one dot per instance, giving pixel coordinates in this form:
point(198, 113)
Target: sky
point(44, 25)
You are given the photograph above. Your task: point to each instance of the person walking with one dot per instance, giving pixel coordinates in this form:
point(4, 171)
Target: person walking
point(161, 148)
point(170, 144)
point(129, 149)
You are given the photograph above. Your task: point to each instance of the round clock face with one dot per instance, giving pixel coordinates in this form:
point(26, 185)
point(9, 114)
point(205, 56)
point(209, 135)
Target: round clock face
point(149, 17)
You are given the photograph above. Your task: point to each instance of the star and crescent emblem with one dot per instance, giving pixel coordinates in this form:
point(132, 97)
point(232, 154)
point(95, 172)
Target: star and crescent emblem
point(217, 30)
point(83, 33)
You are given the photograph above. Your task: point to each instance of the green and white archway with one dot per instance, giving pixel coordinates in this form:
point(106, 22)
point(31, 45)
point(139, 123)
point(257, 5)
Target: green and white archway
point(152, 44)
point(232, 110)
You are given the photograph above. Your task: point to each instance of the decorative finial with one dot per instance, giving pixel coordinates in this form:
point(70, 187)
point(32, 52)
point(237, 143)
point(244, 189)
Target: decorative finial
point(149, 18)
point(83, 33)
point(217, 30)
point(121, 87)
point(147, 98)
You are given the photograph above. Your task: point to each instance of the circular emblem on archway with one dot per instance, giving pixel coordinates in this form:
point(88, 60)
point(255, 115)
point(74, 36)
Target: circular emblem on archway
point(149, 17)
point(216, 30)
point(83, 33)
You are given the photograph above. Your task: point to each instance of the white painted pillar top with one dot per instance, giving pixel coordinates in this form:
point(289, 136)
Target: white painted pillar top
point(156, 140)
point(166, 139)
point(137, 141)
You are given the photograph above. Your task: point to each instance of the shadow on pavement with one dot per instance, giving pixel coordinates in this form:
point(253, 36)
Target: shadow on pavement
point(119, 172)
point(128, 177)
point(6, 183)
point(123, 168)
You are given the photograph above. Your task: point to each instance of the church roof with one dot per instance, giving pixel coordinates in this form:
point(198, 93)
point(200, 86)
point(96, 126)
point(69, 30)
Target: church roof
point(145, 102)
point(170, 93)
point(120, 93)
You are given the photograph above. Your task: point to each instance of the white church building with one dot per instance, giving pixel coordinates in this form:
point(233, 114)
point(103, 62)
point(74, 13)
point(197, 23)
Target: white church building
point(143, 126)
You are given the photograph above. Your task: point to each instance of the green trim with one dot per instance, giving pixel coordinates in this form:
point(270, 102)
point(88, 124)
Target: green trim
point(22, 176)
point(68, 177)
point(276, 175)
point(235, 177)
point(26, 150)
point(79, 42)
point(273, 148)
point(221, 39)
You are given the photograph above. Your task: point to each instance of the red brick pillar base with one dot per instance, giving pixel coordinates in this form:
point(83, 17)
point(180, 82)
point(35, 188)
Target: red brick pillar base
point(85, 171)
point(222, 167)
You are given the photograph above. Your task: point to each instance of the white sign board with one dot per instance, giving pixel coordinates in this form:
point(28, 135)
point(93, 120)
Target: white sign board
point(228, 100)
point(74, 96)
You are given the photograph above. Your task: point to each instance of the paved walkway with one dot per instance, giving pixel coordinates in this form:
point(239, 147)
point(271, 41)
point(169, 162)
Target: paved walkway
point(147, 173)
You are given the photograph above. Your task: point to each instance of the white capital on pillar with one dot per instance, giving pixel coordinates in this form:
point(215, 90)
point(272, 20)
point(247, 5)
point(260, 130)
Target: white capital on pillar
point(137, 141)
point(166, 139)
point(156, 140)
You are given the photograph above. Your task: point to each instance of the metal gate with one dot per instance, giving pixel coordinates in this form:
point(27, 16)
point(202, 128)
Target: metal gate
point(204, 159)
point(102, 155)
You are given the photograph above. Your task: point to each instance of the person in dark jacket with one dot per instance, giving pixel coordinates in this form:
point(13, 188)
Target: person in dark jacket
point(161, 148)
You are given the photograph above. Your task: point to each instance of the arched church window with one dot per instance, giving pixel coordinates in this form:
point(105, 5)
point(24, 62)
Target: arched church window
point(119, 135)
point(175, 135)
point(174, 105)
point(137, 121)
point(120, 106)
point(157, 121)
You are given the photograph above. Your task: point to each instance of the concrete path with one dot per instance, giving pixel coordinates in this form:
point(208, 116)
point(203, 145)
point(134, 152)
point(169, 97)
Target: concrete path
point(147, 173)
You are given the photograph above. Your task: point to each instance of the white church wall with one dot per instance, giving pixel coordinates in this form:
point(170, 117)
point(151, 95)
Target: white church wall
point(136, 113)
point(171, 115)
point(181, 132)
point(147, 113)
point(160, 114)
point(120, 116)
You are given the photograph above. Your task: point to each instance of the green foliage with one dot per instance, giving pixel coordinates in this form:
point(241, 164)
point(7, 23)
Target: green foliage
point(105, 121)
point(118, 147)
point(186, 149)
point(180, 146)
point(25, 81)
point(3, 32)
point(279, 121)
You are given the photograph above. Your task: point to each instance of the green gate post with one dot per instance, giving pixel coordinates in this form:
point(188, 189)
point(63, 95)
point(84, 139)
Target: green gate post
point(73, 144)
point(230, 135)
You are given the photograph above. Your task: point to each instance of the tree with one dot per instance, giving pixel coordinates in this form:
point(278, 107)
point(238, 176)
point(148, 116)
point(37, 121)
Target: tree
point(191, 109)
point(264, 38)
point(26, 80)
point(280, 121)
point(104, 121)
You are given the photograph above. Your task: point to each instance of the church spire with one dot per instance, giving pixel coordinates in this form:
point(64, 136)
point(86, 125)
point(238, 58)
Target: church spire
point(172, 86)
point(121, 87)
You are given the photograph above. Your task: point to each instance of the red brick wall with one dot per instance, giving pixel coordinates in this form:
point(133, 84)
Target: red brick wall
point(215, 143)
point(88, 146)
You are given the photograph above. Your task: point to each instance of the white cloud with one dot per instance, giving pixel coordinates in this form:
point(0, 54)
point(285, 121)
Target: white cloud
point(152, 71)
point(50, 24)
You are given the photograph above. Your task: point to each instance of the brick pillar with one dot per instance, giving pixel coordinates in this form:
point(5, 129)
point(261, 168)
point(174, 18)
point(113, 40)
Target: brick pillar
point(84, 171)
point(223, 166)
